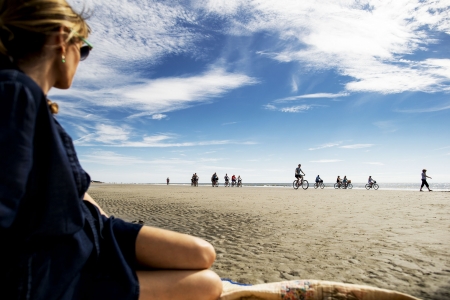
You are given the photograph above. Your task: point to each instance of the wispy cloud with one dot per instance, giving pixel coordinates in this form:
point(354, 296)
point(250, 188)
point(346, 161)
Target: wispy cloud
point(425, 110)
point(228, 123)
point(112, 158)
point(162, 95)
point(291, 109)
point(158, 116)
point(329, 145)
point(297, 108)
point(115, 136)
point(368, 45)
point(387, 126)
point(357, 146)
point(442, 148)
point(374, 163)
point(326, 161)
point(294, 85)
point(312, 96)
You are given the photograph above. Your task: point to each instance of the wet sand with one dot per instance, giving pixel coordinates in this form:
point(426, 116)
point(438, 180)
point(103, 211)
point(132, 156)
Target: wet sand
point(397, 240)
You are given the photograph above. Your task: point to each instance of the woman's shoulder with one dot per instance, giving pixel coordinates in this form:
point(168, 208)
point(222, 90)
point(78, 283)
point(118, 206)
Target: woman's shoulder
point(18, 80)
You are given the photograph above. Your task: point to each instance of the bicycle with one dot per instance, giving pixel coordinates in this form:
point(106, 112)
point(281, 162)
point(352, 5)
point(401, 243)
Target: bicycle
point(319, 184)
point(227, 184)
point(297, 183)
point(215, 183)
point(239, 184)
point(233, 183)
point(341, 185)
point(374, 185)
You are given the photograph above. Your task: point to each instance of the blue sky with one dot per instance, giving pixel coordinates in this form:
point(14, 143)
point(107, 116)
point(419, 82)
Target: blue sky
point(253, 88)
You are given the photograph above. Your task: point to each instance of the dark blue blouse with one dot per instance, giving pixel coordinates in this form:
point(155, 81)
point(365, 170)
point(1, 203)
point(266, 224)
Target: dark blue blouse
point(49, 236)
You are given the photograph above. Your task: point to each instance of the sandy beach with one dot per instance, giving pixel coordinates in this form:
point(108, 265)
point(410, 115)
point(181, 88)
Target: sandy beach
point(397, 240)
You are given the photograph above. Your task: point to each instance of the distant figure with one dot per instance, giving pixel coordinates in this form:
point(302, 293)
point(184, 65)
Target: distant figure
point(195, 178)
point(370, 181)
point(227, 179)
point(168, 180)
point(318, 179)
point(424, 180)
point(214, 179)
point(233, 180)
point(338, 180)
point(344, 181)
point(298, 174)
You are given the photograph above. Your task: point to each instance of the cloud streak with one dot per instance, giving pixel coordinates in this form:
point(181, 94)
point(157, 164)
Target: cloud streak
point(116, 136)
point(329, 145)
point(312, 96)
point(357, 146)
point(162, 95)
point(326, 161)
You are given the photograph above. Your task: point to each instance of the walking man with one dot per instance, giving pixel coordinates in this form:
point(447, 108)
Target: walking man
point(424, 180)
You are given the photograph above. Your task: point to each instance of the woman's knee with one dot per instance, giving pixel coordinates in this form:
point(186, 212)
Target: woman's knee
point(206, 252)
point(211, 284)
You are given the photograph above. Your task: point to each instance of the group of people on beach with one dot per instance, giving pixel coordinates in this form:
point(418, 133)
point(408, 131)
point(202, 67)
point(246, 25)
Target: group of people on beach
point(235, 181)
point(299, 174)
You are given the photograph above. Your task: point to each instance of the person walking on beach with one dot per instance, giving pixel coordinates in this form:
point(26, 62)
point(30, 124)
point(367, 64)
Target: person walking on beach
point(424, 180)
point(57, 242)
point(298, 174)
point(168, 180)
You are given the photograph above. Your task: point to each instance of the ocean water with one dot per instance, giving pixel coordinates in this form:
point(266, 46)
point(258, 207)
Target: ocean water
point(383, 186)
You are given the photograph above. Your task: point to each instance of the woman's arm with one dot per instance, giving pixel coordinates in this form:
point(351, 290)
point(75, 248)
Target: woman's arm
point(89, 199)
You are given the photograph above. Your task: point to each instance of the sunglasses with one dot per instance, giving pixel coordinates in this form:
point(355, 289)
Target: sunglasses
point(85, 49)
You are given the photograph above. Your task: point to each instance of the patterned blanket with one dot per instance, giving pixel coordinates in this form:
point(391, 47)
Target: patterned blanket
point(307, 290)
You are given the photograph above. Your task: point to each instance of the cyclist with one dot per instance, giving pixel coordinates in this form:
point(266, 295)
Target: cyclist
point(227, 179)
point(338, 180)
point(370, 181)
point(233, 180)
point(298, 174)
point(344, 181)
point(214, 178)
point(318, 180)
point(239, 179)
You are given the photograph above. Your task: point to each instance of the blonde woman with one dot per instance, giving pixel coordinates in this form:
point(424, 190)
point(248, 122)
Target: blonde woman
point(56, 242)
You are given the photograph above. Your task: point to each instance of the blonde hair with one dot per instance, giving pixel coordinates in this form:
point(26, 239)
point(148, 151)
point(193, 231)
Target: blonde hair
point(25, 25)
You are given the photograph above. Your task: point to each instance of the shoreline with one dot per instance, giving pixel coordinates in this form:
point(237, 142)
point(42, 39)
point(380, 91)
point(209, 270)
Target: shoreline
point(328, 186)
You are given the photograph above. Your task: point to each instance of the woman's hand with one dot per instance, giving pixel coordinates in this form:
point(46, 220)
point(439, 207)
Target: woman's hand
point(89, 199)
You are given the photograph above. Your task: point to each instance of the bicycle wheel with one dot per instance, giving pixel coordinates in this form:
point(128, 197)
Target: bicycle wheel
point(295, 185)
point(322, 185)
point(316, 185)
point(350, 186)
point(305, 184)
point(367, 186)
point(336, 185)
point(375, 186)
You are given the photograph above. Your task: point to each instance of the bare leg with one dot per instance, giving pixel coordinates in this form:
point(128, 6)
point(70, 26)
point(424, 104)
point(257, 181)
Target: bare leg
point(186, 285)
point(164, 249)
point(183, 260)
